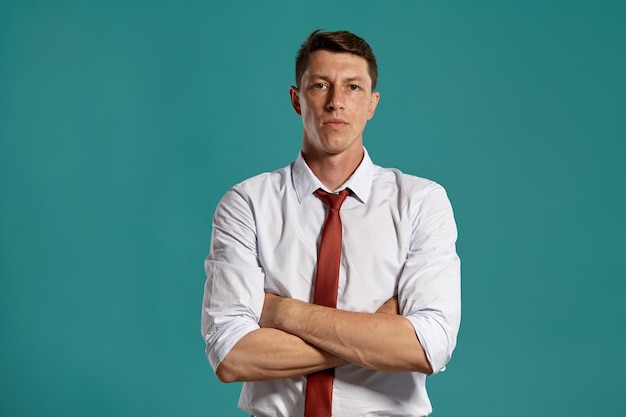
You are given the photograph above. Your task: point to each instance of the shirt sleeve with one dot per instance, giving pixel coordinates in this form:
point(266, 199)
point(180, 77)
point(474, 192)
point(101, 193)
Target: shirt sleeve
point(429, 287)
point(234, 289)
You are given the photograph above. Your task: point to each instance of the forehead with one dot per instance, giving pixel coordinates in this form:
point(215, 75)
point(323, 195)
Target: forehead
point(333, 64)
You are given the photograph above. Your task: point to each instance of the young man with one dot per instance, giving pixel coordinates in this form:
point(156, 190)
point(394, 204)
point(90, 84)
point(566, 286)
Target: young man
point(380, 242)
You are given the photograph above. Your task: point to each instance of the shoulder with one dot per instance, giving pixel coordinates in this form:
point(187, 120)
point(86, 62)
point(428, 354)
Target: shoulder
point(260, 186)
point(406, 185)
point(421, 201)
point(265, 181)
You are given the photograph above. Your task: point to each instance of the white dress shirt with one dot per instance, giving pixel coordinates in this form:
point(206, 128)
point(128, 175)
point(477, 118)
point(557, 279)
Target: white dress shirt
point(399, 240)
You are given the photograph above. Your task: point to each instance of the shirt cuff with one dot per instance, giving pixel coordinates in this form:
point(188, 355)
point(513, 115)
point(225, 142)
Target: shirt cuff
point(220, 342)
point(434, 340)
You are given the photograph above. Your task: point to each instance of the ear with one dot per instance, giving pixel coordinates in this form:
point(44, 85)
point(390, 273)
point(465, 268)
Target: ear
point(294, 93)
point(373, 103)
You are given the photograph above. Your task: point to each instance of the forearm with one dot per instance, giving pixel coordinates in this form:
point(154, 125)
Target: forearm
point(267, 354)
point(384, 342)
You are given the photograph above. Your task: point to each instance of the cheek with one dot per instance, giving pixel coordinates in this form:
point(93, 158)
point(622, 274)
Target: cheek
point(309, 113)
point(370, 110)
point(309, 122)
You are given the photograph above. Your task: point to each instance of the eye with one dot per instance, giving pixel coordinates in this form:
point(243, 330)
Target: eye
point(354, 87)
point(319, 86)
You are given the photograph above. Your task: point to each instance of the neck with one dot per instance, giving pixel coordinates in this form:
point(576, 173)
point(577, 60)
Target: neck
point(333, 169)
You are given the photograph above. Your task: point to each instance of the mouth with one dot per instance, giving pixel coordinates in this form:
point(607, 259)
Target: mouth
point(335, 124)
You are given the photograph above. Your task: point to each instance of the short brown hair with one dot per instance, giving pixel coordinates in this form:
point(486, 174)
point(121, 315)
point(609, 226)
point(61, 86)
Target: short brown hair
point(340, 41)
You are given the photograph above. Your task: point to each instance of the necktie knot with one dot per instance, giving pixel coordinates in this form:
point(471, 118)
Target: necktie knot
point(333, 201)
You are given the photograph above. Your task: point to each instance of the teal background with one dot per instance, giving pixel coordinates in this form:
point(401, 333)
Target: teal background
point(123, 122)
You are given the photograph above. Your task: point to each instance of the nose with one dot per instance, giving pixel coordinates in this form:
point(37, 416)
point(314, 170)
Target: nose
point(335, 100)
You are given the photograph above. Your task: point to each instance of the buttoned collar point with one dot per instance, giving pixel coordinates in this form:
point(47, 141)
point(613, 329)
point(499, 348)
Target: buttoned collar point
point(360, 182)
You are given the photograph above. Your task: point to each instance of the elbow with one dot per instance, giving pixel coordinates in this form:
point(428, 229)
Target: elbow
point(231, 369)
point(425, 368)
point(408, 360)
point(420, 363)
point(226, 374)
point(437, 342)
point(224, 370)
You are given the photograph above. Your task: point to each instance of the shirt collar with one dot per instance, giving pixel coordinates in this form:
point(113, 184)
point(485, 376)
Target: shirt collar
point(360, 182)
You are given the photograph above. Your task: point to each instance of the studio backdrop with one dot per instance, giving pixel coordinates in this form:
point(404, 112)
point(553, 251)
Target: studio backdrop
point(122, 123)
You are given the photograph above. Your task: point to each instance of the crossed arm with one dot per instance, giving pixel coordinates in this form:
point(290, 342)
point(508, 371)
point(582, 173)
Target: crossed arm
point(297, 338)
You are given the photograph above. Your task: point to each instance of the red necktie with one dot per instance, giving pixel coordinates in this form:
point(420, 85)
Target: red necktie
point(319, 386)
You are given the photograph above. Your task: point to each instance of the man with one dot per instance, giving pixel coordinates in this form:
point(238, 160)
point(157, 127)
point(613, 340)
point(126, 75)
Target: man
point(397, 280)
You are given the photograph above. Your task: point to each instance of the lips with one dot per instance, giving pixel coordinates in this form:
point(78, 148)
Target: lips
point(335, 123)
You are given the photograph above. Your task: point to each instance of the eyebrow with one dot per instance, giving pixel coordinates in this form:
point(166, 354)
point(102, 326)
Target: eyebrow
point(326, 78)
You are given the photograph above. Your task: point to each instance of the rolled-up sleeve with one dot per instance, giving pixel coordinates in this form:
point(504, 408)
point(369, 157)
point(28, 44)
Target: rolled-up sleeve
point(234, 288)
point(429, 287)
